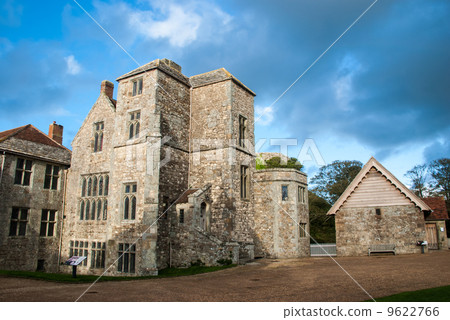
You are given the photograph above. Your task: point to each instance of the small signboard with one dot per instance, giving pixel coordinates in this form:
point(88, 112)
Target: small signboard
point(75, 260)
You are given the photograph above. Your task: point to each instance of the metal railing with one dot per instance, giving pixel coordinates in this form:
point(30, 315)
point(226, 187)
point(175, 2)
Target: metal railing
point(323, 249)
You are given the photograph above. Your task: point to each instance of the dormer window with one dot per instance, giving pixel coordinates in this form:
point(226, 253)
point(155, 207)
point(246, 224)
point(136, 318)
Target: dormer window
point(134, 124)
point(137, 87)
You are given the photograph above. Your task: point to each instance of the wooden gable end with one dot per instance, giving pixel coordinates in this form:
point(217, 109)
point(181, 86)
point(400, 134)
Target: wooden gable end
point(375, 190)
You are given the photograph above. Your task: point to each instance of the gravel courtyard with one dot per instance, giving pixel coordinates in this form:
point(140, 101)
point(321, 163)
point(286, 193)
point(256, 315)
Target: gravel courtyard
point(308, 279)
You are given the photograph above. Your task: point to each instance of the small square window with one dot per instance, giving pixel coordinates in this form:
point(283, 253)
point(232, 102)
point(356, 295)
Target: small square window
point(378, 212)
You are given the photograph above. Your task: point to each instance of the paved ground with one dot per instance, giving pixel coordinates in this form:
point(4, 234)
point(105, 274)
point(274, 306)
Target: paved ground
point(308, 279)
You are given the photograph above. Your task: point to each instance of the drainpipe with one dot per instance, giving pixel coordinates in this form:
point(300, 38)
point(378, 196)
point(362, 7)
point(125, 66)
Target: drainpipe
point(62, 221)
point(3, 166)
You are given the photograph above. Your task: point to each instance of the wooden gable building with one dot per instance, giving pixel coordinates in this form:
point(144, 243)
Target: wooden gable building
point(377, 210)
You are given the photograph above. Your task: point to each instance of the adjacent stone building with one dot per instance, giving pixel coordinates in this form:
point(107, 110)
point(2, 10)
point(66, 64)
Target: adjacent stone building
point(165, 176)
point(377, 209)
point(281, 213)
point(435, 223)
point(32, 175)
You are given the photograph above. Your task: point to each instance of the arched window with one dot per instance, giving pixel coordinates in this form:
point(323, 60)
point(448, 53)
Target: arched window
point(126, 208)
point(96, 142)
point(133, 208)
point(83, 187)
point(205, 216)
point(137, 130)
point(106, 185)
point(88, 209)
point(89, 188)
point(105, 209)
point(94, 189)
point(99, 209)
point(100, 186)
point(131, 134)
point(81, 210)
point(93, 210)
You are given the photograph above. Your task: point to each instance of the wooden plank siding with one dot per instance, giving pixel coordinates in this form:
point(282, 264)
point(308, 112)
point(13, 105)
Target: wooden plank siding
point(375, 191)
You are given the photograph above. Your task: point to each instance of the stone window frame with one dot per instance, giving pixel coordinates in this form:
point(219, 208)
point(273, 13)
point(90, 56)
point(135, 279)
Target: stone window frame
point(126, 262)
point(301, 194)
point(129, 201)
point(51, 177)
point(98, 136)
point(79, 248)
point(23, 172)
point(242, 131)
point(19, 221)
point(98, 255)
point(48, 223)
point(378, 212)
point(93, 200)
point(244, 182)
point(134, 124)
point(284, 195)
point(302, 230)
point(137, 87)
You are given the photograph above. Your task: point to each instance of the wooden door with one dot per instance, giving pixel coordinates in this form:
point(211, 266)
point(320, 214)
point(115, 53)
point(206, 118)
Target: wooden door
point(432, 236)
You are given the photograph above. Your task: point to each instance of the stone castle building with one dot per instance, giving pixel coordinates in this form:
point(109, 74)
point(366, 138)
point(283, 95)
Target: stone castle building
point(376, 209)
point(33, 168)
point(165, 176)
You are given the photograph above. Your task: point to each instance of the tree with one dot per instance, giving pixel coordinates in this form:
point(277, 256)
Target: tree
point(321, 226)
point(440, 177)
point(332, 180)
point(418, 177)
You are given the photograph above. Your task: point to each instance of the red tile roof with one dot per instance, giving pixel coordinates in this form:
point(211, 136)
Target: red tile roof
point(437, 204)
point(30, 133)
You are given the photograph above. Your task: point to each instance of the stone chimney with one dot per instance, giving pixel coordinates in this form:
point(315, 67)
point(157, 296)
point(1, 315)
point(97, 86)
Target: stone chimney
point(55, 131)
point(107, 88)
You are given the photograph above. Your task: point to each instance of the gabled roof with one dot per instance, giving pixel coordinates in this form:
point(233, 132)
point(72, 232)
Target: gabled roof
point(373, 163)
point(30, 133)
point(437, 204)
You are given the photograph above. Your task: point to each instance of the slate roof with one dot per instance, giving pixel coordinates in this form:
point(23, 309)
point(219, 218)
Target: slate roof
point(186, 194)
point(439, 207)
point(30, 133)
point(373, 163)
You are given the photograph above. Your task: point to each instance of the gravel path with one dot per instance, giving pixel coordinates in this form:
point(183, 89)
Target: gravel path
point(308, 279)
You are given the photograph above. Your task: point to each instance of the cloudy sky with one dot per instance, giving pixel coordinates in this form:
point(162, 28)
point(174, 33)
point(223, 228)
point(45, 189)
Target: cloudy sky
point(383, 89)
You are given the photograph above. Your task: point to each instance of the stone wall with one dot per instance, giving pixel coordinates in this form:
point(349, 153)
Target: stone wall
point(358, 228)
point(24, 252)
point(278, 222)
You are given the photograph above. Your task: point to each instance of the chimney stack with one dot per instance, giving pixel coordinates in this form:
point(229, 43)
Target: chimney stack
point(107, 88)
point(55, 131)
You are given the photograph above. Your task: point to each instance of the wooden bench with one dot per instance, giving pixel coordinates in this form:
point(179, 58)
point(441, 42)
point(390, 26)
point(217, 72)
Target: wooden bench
point(379, 248)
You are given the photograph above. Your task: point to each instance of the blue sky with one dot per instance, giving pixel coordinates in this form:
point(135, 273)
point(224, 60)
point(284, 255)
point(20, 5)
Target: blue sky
point(382, 90)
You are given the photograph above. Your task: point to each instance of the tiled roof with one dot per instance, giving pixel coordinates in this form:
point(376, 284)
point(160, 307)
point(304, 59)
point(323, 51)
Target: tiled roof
point(437, 204)
point(184, 197)
point(30, 133)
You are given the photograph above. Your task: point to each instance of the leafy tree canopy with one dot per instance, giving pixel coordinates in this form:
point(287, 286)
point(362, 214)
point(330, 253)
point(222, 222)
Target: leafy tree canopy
point(276, 162)
point(332, 180)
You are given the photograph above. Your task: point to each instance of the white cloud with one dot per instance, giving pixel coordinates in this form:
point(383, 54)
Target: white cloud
point(343, 85)
point(264, 115)
point(73, 67)
point(181, 23)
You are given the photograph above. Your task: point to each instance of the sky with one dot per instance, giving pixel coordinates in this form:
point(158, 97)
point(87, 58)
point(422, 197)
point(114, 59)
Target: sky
point(382, 90)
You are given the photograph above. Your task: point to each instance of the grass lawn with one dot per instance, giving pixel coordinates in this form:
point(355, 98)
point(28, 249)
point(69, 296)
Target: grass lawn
point(67, 277)
point(439, 294)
